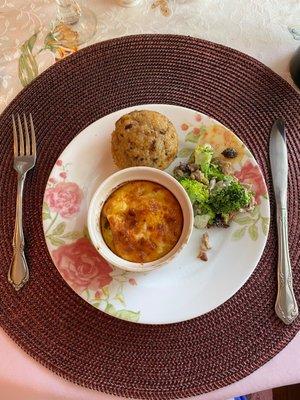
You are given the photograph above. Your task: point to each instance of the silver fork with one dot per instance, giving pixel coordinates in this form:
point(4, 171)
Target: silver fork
point(24, 160)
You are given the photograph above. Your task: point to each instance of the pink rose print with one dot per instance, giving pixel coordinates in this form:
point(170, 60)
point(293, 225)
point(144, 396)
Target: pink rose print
point(251, 174)
point(52, 180)
point(198, 117)
point(58, 163)
point(63, 175)
point(82, 266)
point(132, 281)
point(65, 198)
point(196, 131)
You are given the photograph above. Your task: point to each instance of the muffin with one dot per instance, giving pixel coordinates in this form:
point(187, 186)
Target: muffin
point(145, 138)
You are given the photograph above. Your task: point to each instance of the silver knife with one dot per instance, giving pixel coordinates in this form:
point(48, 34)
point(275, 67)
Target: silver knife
point(286, 305)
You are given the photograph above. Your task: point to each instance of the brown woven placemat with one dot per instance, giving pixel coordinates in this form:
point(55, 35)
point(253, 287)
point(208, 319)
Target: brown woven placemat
point(47, 319)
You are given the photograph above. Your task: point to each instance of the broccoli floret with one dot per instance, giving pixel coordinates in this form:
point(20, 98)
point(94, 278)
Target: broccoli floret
point(205, 209)
point(229, 198)
point(203, 157)
point(204, 215)
point(215, 171)
point(197, 191)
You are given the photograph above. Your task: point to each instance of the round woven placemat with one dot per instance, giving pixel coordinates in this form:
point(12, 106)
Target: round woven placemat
point(47, 319)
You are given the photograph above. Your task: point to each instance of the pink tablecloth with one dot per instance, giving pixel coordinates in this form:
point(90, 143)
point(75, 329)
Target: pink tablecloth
point(22, 378)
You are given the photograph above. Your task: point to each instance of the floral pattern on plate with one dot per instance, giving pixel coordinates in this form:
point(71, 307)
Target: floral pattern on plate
point(74, 255)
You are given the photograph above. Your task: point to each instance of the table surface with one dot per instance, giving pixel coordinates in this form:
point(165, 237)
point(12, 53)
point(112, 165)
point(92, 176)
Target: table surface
point(258, 28)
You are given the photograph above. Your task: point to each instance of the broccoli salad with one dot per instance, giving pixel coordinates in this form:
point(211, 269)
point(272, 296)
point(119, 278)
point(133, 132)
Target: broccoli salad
point(217, 196)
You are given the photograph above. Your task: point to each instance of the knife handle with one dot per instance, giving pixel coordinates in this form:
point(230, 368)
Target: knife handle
point(286, 305)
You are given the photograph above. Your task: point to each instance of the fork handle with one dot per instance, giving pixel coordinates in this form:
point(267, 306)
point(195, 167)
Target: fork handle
point(18, 273)
point(286, 305)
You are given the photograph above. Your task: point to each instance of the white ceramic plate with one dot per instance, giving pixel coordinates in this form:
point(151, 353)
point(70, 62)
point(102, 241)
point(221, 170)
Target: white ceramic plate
point(184, 288)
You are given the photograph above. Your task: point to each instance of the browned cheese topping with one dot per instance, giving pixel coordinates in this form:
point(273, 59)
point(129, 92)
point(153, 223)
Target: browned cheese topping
point(141, 221)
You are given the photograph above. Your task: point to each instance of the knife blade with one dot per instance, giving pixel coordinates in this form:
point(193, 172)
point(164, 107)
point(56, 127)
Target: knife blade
point(279, 162)
point(286, 305)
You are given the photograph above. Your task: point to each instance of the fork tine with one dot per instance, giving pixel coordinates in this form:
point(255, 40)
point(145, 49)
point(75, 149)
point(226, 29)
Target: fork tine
point(15, 137)
point(33, 142)
point(27, 140)
point(21, 136)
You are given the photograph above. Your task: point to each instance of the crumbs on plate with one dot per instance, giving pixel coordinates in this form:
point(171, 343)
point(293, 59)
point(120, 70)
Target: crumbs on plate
point(204, 247)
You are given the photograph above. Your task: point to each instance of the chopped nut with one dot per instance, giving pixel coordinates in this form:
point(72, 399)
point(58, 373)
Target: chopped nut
point(199, 176)
point(205, 241)
point(179, 172)
point(203, 256)
point(192, 167)
point(204, 246)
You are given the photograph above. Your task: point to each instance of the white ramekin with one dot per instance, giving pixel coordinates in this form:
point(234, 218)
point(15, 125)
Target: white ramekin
point(111, 184)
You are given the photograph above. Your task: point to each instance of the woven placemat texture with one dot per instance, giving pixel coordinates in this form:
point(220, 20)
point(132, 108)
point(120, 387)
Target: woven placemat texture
point(54, 325)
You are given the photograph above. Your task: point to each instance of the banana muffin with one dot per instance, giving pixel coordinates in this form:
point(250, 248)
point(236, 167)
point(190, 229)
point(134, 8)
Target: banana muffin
point(144, 138)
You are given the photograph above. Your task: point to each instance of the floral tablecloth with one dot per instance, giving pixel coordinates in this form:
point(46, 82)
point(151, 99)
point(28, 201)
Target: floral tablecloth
point(261, 29)
point(267, 30)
